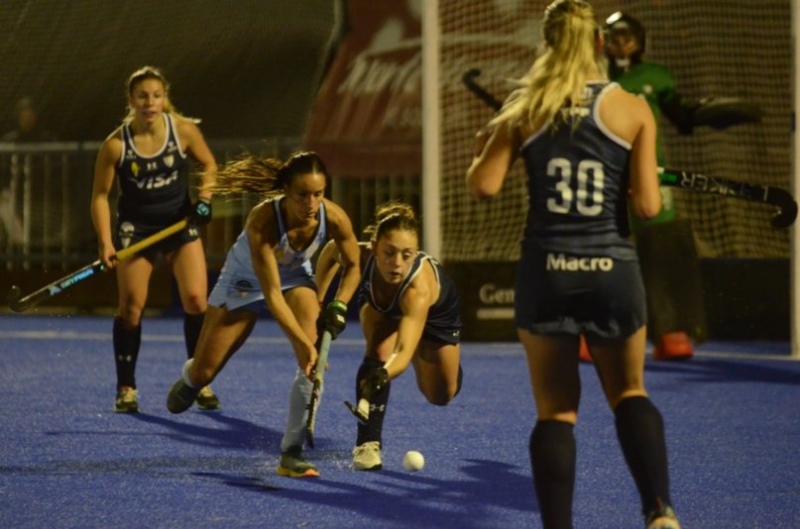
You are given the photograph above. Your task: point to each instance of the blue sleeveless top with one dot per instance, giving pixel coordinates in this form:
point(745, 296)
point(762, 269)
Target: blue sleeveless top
point(151, 188)
point(578, 185)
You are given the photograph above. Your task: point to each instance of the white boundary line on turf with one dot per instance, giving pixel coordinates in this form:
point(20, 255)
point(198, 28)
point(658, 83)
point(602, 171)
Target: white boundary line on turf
point(106, 337)
point(494, 348)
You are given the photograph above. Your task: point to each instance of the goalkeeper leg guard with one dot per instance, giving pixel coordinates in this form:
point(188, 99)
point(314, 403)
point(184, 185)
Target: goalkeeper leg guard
point(553, 455)
point(640, 430)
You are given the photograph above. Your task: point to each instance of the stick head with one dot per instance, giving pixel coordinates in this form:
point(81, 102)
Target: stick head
point(786, 215)
point(13, 299)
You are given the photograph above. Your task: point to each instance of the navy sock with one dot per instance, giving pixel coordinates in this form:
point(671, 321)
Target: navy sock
point(192, 324)
point(553, 455)
point(460, 381)
point(373, 430)
point(126, 351)
point(640, 430)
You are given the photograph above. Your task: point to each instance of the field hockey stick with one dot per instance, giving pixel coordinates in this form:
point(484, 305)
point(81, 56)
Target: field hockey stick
point(361, 411)
point(21, 304)
point(316, 392)
point(785, 206)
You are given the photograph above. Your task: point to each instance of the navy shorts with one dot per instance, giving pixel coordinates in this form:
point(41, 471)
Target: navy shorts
point(129, 233)
point(558, 293)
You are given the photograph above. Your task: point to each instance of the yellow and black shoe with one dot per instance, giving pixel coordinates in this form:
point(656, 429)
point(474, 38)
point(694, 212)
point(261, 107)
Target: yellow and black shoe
point(127, 400)
point(206, 399)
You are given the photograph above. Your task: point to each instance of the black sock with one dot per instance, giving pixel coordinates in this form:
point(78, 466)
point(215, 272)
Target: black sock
point(373, 430)
point(640, 430)
point(460, 381)
point(126, 351)
point(552, 450)
point(192, 324)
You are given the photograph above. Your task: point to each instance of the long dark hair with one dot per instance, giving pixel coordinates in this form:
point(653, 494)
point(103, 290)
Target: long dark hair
point(264, 176)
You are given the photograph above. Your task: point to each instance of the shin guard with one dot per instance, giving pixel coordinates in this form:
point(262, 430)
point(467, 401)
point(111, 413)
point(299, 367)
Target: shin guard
point(126, 351)
point(640, 430)
point(553, 456)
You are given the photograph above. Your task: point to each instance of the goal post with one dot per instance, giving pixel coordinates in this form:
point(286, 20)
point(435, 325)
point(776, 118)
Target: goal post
point(711, 51)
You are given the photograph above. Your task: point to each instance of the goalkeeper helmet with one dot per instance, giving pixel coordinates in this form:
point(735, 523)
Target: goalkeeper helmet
point(620, 27)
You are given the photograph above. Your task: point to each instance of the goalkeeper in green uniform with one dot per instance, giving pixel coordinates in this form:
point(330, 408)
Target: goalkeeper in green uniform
point(625, 45)
point(674, 310)
point(665, 244)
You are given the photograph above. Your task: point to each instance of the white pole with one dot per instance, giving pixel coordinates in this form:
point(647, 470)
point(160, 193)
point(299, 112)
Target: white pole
point(431, 130)
point(795, 186)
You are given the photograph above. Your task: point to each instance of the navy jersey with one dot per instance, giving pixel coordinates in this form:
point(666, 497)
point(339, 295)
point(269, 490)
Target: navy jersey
point(578, 185)
point(152, 189)
point(443, 324)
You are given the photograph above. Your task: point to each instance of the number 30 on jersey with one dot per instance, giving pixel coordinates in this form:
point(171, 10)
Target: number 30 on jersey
point(582, 186)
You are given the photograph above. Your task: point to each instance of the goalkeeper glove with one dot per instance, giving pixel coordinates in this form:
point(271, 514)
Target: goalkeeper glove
point(201, 212)
point(333, 319)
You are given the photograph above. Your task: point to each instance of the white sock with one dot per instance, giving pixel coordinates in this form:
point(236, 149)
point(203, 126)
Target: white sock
point(185, 373)
point(299, 396)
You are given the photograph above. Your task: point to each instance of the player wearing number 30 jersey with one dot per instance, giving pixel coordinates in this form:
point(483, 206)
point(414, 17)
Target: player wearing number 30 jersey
point(577, 221)
point(590, 152)
point(578, 181)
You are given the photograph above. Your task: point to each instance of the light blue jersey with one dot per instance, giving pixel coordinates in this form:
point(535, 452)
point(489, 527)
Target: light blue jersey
point(238, 284)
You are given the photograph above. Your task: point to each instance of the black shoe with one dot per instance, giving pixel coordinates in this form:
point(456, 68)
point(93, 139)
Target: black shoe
point(181, 397)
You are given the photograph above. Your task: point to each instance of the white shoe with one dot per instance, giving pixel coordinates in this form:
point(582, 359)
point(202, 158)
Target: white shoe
point(367, 456)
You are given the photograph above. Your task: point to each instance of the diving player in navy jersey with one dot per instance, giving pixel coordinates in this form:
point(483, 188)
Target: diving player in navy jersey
point(589, 149)
point(271, 262)
point(409, 313)
point(147, 156)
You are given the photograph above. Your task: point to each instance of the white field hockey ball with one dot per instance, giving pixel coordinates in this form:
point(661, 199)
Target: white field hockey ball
point(413, 461)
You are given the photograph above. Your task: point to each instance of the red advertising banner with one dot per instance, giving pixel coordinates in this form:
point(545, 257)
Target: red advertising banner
point(367, 118)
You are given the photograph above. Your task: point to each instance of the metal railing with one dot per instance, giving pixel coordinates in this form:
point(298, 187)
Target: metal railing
point(45, 194)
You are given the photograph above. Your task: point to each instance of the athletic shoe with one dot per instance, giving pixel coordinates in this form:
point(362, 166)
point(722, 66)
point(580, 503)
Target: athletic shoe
point(583, 354)
point(673, 346)
point(181, 397)
point(207, 400)
point(367, 456)
point(294, 465)
point(127, 400)
point(666, 517)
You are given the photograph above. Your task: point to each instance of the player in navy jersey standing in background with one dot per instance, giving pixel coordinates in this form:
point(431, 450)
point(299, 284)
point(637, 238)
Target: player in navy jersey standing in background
point(147, 155)
point(271, 262)
point(589, 149)
point(410, 317)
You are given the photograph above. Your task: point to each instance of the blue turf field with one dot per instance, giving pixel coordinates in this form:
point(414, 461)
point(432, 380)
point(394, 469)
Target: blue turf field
point(68, 461)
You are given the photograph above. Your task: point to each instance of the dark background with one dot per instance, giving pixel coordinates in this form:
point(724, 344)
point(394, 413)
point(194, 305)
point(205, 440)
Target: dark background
point(247, 68)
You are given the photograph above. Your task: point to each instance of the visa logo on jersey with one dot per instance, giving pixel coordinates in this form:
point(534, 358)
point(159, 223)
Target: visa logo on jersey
point(157, 181)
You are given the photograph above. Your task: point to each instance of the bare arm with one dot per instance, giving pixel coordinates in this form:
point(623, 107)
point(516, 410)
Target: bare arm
point(414, 305)
point(644, 184)
point(495, 151)
point(104, 174)
point(261, 222)
point(348, 254)
point(195, 144)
